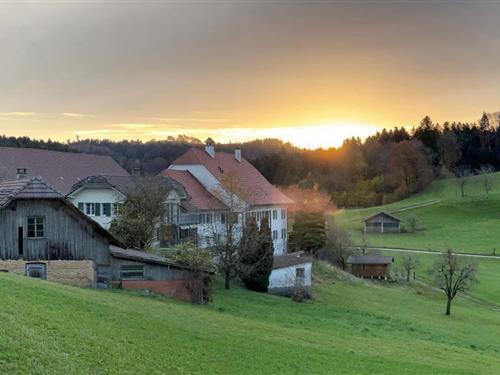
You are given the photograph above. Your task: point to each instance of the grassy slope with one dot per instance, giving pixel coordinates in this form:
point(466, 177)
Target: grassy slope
point(487, 289)
point(349, 328)
point(470, 224)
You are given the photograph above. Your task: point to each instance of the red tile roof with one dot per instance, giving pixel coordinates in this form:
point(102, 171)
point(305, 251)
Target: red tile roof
point(199, 197)
point(258, 191)
point(60, 169)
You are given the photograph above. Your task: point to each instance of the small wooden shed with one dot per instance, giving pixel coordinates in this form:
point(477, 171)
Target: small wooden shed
point(371, 266)
point(382, 223)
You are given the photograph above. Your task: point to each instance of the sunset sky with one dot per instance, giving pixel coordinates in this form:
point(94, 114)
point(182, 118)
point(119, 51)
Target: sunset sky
point(312, 74)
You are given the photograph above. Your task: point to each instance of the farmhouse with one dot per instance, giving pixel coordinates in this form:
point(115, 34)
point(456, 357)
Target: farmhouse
point(370, 266)
point(382, 223)
point(289, 271)
point(47, 237)
point(254, 194)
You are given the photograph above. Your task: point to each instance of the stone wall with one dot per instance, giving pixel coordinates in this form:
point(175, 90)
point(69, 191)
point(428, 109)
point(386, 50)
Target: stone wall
point(71, 272)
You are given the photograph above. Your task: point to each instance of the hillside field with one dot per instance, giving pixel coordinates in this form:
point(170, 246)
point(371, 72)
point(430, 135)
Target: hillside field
point(470, 224)
point(351, 327)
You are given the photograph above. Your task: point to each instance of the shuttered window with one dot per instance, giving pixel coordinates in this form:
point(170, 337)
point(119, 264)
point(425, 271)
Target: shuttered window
point(36, 227)
point(106, 209)
point(132, 272)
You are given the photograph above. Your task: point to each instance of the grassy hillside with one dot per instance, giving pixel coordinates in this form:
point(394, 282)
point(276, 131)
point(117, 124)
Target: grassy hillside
point(488, 273)
point(469, 224)
point(350, 328)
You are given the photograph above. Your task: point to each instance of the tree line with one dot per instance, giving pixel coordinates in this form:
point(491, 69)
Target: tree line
point(388, 166)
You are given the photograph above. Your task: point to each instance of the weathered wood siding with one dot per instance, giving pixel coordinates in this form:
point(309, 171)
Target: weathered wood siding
point(382, 224)
point(67, 236)
point(151, 271)
point(370, 270)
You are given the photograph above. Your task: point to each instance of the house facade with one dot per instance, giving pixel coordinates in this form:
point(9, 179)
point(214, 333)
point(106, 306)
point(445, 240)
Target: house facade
point(289, 272)
point(240, 190)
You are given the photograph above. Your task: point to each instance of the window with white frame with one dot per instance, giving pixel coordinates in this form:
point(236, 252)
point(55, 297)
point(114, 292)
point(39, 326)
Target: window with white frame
point(283, 214)
point(275, 214)
point(36, 227)
point(90, 209)
point(171, 213)
point(283, 233)
point(275, 234)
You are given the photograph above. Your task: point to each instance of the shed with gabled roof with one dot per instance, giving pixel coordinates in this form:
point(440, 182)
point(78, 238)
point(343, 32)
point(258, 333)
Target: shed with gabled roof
point(381, 223)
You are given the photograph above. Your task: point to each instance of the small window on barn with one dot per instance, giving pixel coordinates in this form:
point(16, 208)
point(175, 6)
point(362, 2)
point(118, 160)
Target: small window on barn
point(36, 270)
point(300, 272)
point(36, 227)
point(132, 272)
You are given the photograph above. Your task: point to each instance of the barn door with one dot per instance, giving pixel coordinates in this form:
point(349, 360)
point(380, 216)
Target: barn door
point(20, 241)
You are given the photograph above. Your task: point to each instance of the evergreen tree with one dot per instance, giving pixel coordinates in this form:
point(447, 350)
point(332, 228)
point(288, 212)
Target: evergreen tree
point(308, 232)
point(256, 255)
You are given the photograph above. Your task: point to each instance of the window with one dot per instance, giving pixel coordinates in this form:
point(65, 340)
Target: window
point(93, 209)
point(106, 209)
point(283, 214)
point(283, 233)
point(275, 235)
point(36, 227)
point(115, 209)
point(36, 270)
point(275, 214)
point(132, 272)
point(223, 218)
point(171, 213)
point(300, 272)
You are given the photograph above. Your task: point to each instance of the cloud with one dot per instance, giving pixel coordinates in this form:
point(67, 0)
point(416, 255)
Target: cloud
point(73, 115)
point(189, 119)
point(17, 114)
point(133, 126)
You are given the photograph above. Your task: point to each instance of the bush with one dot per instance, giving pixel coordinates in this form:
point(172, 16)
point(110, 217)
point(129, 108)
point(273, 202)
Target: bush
point(301, 294)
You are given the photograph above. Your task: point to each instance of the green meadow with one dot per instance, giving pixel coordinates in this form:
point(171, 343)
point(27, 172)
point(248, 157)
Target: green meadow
point(448, 221)
point(350, 327)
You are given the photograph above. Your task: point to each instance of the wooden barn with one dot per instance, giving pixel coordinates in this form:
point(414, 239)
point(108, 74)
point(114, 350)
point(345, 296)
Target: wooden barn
point(45, 236)
point(381, 223)
point(374, 267)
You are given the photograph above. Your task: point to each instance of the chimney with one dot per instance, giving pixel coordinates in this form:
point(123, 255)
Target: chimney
point(210, 147)
point(21, 173)
point(237, 154)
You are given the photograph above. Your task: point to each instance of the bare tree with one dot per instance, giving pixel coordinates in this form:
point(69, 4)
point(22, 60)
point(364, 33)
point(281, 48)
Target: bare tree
point(462, 180)
point(453, 275)
point(485, 174)
point(337, 248)
point(226, 232)
point(410, 263)
point(141, 212)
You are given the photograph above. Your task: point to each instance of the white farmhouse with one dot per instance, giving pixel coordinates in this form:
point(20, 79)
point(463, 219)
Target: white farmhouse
point(257, 197)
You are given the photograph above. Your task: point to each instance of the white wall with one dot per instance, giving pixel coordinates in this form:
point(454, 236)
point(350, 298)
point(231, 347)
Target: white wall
point(278, 224)
point(97, 195)
point(285, 277)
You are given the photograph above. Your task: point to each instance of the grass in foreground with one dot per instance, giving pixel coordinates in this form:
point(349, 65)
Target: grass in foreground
point(463, 224)
point(351, 327)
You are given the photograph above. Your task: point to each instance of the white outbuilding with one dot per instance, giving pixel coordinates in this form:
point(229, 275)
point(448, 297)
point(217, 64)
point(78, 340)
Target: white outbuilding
point(290, 271)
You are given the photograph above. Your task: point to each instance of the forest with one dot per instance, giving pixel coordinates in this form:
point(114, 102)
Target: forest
point(385, 167)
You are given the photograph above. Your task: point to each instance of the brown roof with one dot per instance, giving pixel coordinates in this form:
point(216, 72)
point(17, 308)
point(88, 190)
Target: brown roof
point(258, 191)
point(382, 213)
point(26, 188)
point(60, 169)
point(288, 260)
point(198, 196)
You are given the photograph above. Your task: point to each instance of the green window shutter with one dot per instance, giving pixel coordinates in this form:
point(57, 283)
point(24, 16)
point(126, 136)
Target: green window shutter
point(106, 209)
point(80, 206)
point(97, 209)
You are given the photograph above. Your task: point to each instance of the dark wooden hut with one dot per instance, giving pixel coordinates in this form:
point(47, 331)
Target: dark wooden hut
point(382, 223)
point(375, 267)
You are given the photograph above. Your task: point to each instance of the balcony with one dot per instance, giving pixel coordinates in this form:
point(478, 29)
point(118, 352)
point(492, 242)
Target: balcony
point(186, 219)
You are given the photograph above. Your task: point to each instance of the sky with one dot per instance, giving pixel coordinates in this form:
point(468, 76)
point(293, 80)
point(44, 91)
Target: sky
point(312, 73)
